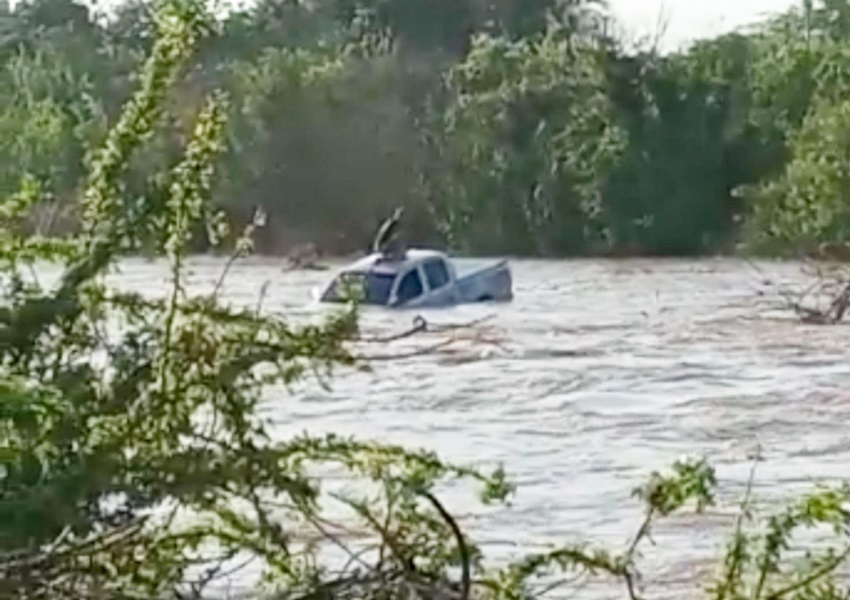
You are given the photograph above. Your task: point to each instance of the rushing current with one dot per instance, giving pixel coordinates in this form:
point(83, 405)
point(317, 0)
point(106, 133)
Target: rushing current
point(598, 373)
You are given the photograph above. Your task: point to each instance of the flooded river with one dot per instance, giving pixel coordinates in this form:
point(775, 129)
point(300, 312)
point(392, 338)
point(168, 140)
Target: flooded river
point(596, 374)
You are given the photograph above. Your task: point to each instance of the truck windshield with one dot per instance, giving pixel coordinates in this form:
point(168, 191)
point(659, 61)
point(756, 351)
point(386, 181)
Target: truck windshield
point(367, 288)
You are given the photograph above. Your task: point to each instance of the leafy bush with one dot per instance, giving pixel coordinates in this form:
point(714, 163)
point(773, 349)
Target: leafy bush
point(134, 464)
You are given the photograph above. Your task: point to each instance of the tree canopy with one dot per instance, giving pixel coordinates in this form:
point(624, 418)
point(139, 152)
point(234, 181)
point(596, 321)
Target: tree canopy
point(503, 126)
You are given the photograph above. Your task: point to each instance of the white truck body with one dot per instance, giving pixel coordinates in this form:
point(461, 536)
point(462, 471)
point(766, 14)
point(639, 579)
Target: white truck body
point(426, 278)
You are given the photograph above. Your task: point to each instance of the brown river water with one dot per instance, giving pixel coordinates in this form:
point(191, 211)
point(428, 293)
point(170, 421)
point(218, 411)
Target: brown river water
point(596, 374)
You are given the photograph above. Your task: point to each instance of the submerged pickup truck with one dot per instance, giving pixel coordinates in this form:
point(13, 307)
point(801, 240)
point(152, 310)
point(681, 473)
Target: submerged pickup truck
point(422, 277)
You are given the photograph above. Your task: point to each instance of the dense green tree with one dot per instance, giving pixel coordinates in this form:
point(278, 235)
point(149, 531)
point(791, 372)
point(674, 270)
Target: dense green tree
point(686, 118)
point(503, 126)
point(524, 144)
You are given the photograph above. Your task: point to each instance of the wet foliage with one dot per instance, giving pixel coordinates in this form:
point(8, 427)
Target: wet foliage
point(134, 462)
point(503, 126)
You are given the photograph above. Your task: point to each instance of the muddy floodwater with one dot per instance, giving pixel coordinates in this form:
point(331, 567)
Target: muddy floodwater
point(596, 374)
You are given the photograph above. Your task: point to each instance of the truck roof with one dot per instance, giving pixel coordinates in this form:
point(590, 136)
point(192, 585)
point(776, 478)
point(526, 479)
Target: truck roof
point(376, 263)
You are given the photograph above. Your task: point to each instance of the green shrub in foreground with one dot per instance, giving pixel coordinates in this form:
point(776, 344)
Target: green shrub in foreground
point(134, 464)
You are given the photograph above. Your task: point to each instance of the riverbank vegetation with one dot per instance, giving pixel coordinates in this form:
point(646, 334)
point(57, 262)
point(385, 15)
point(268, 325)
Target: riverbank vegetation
point(526, 128)
point(135, 463)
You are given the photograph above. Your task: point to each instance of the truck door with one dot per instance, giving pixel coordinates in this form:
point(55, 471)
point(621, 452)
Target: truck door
point(409, 287)
point(436, 273)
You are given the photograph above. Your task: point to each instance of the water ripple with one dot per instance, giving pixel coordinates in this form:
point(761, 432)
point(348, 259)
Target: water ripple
point(604, 372)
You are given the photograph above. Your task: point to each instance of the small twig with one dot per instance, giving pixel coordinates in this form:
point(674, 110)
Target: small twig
point(812, 577)
point(53, 546)
point(352, 556)
point(384, 533)
point(642, 532)
point(732, 572)
point(630, 584)
point(33, 274)
point(326, 590)
point(840, 304)
point(218, 573)
point(224, 272)
point(563, 582)
point(358, 557)
point(263, 291)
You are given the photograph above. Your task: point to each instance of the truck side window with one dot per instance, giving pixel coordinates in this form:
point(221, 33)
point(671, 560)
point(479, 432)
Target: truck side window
point(436, 273)
point(410, 286)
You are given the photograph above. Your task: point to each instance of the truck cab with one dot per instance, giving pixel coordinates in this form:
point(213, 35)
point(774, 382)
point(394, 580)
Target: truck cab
point(421, 278)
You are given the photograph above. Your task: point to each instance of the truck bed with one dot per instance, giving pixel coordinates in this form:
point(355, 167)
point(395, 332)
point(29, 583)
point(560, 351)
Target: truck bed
point(478, 279)
point(465, 267)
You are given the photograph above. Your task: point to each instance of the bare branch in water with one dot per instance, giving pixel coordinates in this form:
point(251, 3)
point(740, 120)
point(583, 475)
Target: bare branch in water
point(825, 300)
